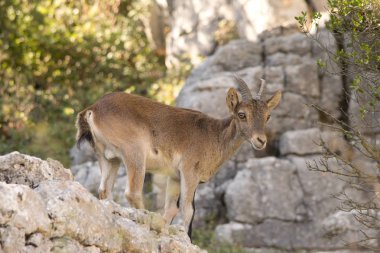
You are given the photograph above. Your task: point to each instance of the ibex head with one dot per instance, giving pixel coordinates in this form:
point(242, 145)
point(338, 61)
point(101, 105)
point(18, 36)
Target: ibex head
point(251, 113)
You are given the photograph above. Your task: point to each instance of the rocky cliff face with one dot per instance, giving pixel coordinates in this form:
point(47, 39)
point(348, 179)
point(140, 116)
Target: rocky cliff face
point(43, 210)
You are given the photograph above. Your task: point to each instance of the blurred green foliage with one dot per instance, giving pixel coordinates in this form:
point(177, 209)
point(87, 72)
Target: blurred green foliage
point(205, 239)
point(359, 21)
point(59, 56)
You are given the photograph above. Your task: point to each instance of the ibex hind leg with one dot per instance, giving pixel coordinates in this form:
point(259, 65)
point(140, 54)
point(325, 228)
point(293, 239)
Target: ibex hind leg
point(136, 173)
point(171, 199)
point(108, 170)
point(110, 181)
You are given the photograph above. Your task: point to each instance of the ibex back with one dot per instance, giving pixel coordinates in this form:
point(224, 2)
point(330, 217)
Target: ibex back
point(187, 146)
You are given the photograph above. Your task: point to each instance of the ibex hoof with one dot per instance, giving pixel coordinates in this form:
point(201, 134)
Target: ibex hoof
point(102, 194)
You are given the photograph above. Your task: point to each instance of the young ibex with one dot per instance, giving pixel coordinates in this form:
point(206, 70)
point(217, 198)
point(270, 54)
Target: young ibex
point(188, 146)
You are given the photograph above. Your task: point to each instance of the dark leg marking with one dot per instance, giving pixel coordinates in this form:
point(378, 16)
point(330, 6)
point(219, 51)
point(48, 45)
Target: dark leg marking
point(191, 222)
point(178, 200)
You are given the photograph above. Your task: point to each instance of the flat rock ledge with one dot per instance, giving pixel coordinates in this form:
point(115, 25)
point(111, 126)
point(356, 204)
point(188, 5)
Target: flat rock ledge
point(43, 210)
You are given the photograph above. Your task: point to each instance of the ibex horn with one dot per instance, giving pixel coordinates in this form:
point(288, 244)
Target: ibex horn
point(243, 89)
point(258, 96)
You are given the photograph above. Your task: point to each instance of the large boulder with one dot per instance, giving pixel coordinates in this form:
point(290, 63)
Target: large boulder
point(60, 215)
point(253, 195)
point(300, 142)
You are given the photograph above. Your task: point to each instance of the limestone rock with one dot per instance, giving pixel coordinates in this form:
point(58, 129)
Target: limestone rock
point(292, 113)
point(236, 55)
point(294, 43)
point(317, 185)
point(300, 142)
point(62, 216)
point(300, 76)
point(207, 205)
point(282, 59)
point(313, 141)
point(28, 170)
point(207, 98)
point(280, 203)
point(194, 24)
point(331, 82)
point(229, 232)
point(68, 203)
point(318, 188)
point(255, 17)
point(253, 195)
point(22, 208)
point(192, 28)
point(287, 236)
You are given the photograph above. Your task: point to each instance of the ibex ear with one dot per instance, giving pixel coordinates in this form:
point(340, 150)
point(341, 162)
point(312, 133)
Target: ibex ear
point(274, 100)
point(232, 99)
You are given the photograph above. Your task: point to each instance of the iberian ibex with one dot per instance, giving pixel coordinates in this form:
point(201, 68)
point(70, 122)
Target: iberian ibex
point(188, 146)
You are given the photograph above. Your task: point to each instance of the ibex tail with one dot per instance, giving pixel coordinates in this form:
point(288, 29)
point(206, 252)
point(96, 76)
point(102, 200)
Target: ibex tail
point(83, 129)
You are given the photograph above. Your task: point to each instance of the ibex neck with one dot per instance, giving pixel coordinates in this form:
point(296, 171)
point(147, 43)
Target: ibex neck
point(230, 139)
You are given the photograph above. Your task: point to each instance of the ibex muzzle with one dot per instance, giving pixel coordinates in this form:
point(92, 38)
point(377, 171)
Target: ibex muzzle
point(187, 146)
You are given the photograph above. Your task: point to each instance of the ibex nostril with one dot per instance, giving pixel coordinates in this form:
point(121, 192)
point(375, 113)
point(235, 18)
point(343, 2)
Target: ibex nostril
point(261, 140)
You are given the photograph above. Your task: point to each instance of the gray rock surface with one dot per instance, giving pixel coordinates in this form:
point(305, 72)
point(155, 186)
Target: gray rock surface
point(300, 142)
point(195, 24)
point(253, 195)
point(60, 215)
point(279, 203)
point(28, 170)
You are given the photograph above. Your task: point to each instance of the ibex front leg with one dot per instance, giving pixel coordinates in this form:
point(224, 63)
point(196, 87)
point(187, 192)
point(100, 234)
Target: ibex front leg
point(189, 183)
point(134, 161)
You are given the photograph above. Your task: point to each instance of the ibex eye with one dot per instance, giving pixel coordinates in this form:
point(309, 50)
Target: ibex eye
point(241, 115)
